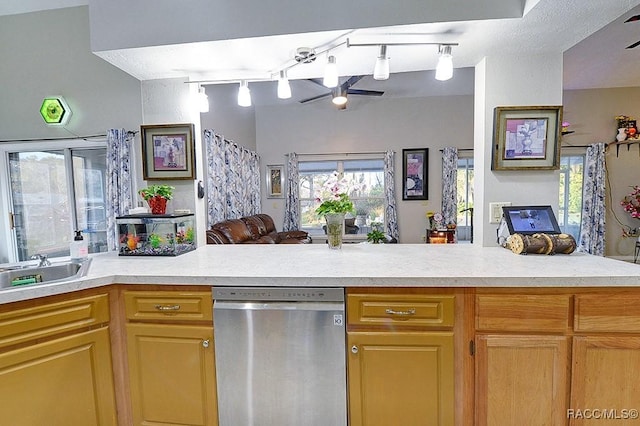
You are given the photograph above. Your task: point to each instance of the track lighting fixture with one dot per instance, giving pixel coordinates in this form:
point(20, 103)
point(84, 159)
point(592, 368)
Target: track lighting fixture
point(284, 89)
point(444, 69)
point(331, 72)
point(244, 94)
point(202, 100)
point(381, 70)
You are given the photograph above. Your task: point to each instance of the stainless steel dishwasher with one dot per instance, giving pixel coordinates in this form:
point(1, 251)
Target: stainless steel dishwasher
point(280, 356)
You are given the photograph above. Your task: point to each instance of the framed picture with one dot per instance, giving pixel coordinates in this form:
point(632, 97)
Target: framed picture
point(275, 181)
point(415, 178)
point(526, 138)
point(168, 151)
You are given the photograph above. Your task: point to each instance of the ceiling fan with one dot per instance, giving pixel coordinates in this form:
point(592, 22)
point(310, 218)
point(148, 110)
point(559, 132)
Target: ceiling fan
point(634, 18)
point(339, 93)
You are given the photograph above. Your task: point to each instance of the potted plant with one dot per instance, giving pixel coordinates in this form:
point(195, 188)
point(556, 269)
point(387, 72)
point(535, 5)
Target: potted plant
point(376, 237)
point(157, 197)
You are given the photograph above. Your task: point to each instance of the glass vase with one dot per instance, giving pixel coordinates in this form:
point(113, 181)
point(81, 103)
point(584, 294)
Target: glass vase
point(335, 228)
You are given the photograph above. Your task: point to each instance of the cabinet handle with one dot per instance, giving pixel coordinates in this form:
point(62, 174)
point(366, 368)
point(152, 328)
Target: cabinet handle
point(168, 307)
point(354, 349)
point(205, 343)
point(410, 311)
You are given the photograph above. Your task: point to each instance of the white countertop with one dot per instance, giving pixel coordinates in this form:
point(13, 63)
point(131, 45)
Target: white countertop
point(308, 265)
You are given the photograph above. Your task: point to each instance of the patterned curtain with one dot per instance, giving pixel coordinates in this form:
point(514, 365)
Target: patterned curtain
point(593, 197)
point(233, 179)
point(292, 202)
point(390, 195)
point(118, 180)
point(449, 184)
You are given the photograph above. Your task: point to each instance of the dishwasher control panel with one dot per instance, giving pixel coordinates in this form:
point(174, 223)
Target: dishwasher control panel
point(284, 294)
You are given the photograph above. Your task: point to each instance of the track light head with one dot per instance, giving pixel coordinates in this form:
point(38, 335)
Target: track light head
point(330, 72)
point(244, 94)
point(444, 69)
point(381, 70)
point(202, 100)
point(284, 89)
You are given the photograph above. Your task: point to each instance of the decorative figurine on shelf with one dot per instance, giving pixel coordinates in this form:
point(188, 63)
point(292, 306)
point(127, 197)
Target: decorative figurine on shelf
point(626, 128)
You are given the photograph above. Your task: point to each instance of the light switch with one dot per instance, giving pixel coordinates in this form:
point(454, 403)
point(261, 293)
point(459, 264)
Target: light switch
point(495, 211)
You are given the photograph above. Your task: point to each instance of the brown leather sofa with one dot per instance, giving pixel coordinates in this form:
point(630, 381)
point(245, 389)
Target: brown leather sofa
point(256, 229)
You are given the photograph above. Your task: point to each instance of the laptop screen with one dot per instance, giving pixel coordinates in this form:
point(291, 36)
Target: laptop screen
point(529, 220)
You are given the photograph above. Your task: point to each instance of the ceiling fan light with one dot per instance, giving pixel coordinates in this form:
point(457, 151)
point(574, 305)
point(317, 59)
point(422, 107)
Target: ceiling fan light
point(202, 100)
point(444, 69)
point(244, 94)
point(284, 88)
point(381, 70)
point(330, 72)
point(339, 97)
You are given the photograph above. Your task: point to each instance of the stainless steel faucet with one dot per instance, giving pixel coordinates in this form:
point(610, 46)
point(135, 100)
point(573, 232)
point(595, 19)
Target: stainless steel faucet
point(43, 260)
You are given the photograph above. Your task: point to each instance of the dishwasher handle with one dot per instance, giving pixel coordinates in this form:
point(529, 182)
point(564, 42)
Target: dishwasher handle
point(277, 306)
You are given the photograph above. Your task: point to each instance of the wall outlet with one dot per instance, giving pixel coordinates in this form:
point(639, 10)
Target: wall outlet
point(495, 211)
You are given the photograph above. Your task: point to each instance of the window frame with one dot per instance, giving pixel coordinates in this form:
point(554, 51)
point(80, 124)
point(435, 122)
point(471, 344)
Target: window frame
point(340, 159)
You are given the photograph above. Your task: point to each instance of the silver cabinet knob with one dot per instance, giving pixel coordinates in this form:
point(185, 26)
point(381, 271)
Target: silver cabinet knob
point(205, 343)
point(354, 349)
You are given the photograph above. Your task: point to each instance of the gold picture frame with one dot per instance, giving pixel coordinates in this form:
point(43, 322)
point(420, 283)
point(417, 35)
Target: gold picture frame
point(527, 138)
point(168, 151)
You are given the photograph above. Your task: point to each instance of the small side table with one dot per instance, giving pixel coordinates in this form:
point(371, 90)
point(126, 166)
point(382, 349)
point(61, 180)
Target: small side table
point(441, 236)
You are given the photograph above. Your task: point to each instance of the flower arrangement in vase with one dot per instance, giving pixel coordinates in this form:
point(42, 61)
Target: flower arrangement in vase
point(334, 208)
point(631, 203)
point(157, 197)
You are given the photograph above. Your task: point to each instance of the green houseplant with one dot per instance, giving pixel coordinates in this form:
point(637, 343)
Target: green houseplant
point(376, 236)
point(157, 197)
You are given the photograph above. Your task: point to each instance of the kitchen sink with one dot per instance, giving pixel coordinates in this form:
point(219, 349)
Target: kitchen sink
point(17, 276)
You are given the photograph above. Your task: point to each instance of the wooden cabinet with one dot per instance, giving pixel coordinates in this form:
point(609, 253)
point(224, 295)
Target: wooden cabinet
point(521, 367)
point(55, 363)
point(171, 357)
point(401, 361)
point(547, 359)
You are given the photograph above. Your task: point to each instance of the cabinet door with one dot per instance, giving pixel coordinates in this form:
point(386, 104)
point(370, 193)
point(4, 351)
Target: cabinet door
point(401, 378)
point(172, 374)
point(62, 382)
point(521, 380)
point(605, 377)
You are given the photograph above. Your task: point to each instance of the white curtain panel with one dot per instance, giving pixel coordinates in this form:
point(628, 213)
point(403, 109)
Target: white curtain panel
point(449, 184)
point(292, 201)
point(593, 201)
point(233, 179)
point(119, 199)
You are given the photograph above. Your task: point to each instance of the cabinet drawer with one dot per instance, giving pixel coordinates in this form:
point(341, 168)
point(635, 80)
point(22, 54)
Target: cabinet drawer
point(603, 312)
point(398, 311)
point(511, 312)
point(26, 324)
point(168, 306)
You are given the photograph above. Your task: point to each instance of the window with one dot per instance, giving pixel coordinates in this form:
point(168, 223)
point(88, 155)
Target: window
point(365, 177)
point(570, 206)
point(54, 192)
point(464, 191)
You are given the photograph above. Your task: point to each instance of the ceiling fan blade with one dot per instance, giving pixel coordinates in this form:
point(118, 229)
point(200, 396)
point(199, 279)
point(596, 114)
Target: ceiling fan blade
point(633, 19)
point(634, 45)
point(351, 81)
point(314, 98)
point(317, 81)
point(364, 92)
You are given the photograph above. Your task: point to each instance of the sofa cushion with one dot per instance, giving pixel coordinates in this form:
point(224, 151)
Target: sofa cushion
point(268, 222)
point(235, 230)
point(256, 226)
point(216, 237)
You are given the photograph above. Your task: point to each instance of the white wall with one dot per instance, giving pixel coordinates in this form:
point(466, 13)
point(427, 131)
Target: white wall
point(367, 125)
point(47, 53)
